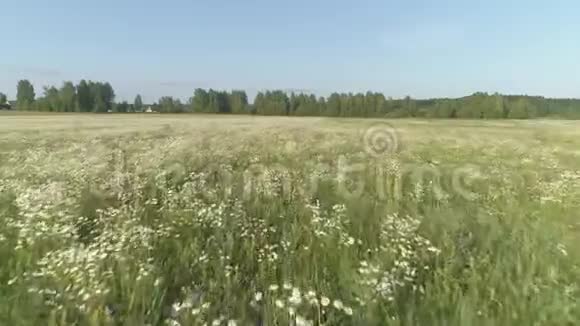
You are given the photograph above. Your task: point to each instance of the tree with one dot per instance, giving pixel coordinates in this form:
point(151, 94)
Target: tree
point(259, 103)
point(67, 94)
point(238, 101)
point(299, 105)
point(345, 105)
point(51, 101)
point(108, 95)
point(200, 100)
point(519, 109)
point(370, 106)
point(532, 109)
point(138, 104)
point(333, 105)
point(444, 109)
point(410, 106)
point(498, 108)
point(272, 103)
point(89, 96)
point(97, 96)
point(468, 109)
point(321, 106)
point(84, 98)
point(217, 102)
point(168, 104)
point(24, 95)
point(380, 105)
point(293, 103)
point(122, 107)
point(306, 105)
point(102, 96)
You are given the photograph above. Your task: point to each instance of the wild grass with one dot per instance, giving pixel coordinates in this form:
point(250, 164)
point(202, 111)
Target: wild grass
point(194, 220)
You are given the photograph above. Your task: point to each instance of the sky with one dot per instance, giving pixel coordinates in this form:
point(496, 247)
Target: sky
point(445, 48)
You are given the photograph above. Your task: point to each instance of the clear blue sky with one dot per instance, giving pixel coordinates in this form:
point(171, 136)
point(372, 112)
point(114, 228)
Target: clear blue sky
point(421, 48)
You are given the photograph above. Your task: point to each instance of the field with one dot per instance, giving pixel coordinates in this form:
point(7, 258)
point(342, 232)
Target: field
point(227, 220)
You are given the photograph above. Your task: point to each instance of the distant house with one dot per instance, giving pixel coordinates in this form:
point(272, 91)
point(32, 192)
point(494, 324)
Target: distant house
point(149, 110)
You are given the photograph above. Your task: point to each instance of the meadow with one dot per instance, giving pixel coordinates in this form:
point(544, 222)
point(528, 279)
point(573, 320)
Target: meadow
point(148, 219)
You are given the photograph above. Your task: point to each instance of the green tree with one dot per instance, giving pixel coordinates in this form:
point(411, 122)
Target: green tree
point(358, 108)
point(24, 95)
point(345, 105)
point(469, 108)
point(108, 95)
point(122, 107)
point(97, 97)
point(52, 101)
point(67, 94)
point(168, 104)
point(532, 109)
point(306, 105)
point(543, 107)
point(498, 110)
point(333, 105)
point(410, 106)
point(478, 104)
point(321, 106)
point(84, 98)
point(259, 103)
point(272, 103)
point(3, 99)
point(200, 101)
point(518, 110)
point(238, 101)
point(380, 103)
point(217, 102)
point(102, 96)
point(292, 104)
point(444, 109)
point(369, 106)
point(138, 104)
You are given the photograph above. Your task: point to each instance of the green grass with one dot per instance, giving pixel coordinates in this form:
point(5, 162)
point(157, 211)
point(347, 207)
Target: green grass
point(194, 219)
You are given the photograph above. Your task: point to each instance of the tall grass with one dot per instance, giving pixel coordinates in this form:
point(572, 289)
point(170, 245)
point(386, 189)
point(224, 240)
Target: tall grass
point(278, 221)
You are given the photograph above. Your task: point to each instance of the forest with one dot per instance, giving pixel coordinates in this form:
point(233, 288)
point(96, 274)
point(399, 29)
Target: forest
point(99, 97)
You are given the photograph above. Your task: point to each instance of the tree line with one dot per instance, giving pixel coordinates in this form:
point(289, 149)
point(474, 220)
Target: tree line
point(90, 96)
point(86, 96)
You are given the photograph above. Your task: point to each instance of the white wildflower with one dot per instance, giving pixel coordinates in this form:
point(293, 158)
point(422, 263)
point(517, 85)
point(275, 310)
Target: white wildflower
point(274, 287)
point(301, 321)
